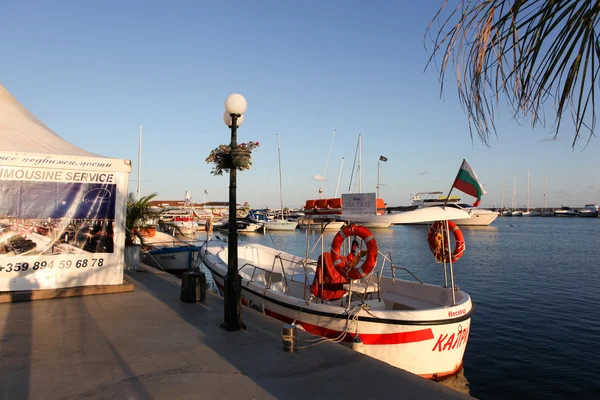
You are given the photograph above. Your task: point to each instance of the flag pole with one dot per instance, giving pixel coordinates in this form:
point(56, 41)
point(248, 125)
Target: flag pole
point(452, 187)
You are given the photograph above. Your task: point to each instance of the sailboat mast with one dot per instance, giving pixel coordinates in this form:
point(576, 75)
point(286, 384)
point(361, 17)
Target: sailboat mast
point(503, 193)
point(280, 181)
point(514, 201)
point(327, 163)
point(545, 199)
point(139, 171)
point(359, 164)
point(339, 176)
point(527, 190)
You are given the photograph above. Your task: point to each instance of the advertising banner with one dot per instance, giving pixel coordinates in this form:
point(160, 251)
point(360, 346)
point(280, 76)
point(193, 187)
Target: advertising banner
point(61, 227)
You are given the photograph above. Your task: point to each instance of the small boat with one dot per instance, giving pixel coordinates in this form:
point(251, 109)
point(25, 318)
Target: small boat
point(516, 213)
point(419, 327)
point(589, 210)
point(506, 213)
point(565, 211)
point(170, 254)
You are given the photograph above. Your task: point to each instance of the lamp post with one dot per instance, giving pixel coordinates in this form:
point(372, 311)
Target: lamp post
point(235, 107)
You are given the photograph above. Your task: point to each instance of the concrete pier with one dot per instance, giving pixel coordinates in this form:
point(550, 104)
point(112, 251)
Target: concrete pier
point(147, 344)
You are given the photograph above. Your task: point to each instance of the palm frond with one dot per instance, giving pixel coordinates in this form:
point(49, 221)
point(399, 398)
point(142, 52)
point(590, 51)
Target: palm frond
point(532, 52)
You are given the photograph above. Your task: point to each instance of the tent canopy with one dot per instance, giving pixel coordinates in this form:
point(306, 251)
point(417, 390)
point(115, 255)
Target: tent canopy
point(23, 135)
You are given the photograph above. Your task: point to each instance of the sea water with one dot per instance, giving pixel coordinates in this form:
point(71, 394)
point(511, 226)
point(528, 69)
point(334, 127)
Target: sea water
point(535, 283)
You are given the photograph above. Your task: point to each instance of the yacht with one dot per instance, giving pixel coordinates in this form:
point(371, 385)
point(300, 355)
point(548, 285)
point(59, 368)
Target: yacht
point(589, 210)
point(479, 217)
point(565, 211)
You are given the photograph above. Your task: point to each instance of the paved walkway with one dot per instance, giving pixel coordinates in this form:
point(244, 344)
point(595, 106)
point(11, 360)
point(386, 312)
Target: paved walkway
point(147, 344)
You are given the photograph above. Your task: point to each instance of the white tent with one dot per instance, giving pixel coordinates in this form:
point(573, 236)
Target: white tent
point(62, 208)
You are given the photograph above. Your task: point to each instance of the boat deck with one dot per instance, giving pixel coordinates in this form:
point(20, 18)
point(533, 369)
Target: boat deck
point(147, 344)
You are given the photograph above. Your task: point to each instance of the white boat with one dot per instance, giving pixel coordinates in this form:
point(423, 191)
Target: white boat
point(565, 211)
point(170, 254)
point(477, 216)
point(506, 213)
point(409, 324)
point(180, 220)
point(589, 210)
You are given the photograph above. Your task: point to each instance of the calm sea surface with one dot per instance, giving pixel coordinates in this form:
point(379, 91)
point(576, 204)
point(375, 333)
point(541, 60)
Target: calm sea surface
point(536, 287)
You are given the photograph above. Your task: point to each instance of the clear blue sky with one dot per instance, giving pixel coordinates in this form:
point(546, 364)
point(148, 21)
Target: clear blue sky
point(95, 71)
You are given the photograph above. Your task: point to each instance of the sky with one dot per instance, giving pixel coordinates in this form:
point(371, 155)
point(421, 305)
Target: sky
point(95, 71)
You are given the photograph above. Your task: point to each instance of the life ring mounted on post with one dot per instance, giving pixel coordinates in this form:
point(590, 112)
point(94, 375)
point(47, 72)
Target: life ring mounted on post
point(347, 265)
point(438, 242)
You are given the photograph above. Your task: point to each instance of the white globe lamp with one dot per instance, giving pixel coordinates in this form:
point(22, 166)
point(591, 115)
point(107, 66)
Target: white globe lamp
point(235, 104)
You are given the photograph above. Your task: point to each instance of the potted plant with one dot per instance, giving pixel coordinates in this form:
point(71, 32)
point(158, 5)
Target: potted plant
point(224, 158)
point(139, 221)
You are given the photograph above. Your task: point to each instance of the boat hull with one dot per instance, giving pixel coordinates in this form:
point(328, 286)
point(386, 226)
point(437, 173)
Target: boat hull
point(427, 343)
point(281, 225)
point(174, 260)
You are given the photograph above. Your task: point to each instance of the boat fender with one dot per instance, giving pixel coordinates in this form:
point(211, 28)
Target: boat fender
point(438, 242)
point(346, 266)
point(357, 344)
point(209, 225)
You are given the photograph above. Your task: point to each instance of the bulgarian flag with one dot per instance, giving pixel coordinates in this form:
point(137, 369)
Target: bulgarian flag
point(467, 181)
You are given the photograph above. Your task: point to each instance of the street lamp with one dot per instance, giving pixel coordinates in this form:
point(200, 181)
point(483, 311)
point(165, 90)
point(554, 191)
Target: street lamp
point(235, 107)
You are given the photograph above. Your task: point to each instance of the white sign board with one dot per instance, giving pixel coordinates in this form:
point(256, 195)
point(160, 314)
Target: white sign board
point(61, 227)
point(359, 204)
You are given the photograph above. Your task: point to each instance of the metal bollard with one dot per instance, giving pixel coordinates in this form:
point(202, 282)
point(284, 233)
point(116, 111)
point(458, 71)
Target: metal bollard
point(288, 336)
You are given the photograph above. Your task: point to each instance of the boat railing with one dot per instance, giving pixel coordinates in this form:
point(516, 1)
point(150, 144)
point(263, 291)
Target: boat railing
point(268, 274)
point(295, 264)
point(388, 257)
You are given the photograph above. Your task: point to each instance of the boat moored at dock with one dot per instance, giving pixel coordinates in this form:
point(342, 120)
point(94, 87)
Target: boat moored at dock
point(409, 324)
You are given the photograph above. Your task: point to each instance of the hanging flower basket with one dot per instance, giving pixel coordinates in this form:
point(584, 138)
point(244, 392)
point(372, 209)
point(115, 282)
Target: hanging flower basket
point(224, 158)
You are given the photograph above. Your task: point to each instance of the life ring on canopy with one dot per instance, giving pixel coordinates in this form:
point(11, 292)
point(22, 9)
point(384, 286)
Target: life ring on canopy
point(346, 265)
point(438, 242)
point(208, 225)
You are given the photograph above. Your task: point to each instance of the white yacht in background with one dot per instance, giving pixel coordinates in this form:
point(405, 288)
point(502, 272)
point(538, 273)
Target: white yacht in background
point(479, 217)
point(565, 211)
point(589, 210)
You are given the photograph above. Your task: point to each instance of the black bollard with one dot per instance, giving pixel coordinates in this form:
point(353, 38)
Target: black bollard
point(193, 286)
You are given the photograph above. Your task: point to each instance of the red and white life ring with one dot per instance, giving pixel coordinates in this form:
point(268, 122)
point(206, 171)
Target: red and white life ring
point(438, 242)
point(346, 265)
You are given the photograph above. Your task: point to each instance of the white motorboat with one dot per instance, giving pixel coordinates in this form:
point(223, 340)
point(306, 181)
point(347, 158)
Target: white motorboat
point(589, 210)
point(516, 213)
point(565, 211)
point(409, 324)
point(477, 216)
point(170, 254)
